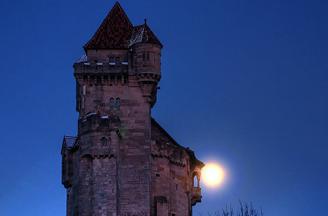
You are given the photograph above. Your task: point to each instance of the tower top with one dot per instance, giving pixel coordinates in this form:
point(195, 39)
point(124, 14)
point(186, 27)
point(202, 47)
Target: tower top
point(143, 34)
point(114, 32)
point(117, 32)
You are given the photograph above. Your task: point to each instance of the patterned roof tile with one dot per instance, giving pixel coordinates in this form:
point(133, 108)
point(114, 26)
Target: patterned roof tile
point(117, 32)
point(114, 32)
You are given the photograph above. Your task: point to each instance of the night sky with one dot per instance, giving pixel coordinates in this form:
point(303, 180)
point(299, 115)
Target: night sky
point(244, 82)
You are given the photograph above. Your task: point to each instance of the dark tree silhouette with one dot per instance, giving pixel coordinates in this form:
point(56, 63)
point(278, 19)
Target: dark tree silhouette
point(244, 209)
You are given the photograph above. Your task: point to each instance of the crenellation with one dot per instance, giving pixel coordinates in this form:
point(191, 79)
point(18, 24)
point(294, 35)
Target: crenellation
point(85, 69)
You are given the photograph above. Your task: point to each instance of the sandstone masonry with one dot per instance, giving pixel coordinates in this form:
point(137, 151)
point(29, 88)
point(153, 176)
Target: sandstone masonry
point(122, 162)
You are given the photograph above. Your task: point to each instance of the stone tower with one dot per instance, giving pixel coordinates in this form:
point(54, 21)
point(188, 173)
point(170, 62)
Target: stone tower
point(122, 162)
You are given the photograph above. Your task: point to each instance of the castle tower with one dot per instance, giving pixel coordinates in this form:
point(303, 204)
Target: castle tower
point(122, 162)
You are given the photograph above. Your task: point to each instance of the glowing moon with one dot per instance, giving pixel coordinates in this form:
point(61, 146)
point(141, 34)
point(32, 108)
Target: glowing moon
point(212, 175)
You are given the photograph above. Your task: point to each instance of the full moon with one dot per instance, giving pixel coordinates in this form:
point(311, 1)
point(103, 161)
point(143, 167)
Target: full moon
point(212, 175)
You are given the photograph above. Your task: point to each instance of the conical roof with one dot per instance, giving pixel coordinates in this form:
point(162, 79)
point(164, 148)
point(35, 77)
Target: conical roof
point(143, 34)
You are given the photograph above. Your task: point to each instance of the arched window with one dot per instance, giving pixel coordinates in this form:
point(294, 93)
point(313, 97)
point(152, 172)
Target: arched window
point(118, 103)
point(111, 102)
point(196, 179)
point(104, 141)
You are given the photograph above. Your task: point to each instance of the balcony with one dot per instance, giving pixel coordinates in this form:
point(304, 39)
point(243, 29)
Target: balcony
point(196, 195)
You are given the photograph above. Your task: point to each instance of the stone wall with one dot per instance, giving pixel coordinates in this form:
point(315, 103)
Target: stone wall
point(123, 163)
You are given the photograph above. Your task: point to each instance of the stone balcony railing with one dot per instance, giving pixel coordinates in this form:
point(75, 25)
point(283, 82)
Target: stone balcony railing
point(196, 195)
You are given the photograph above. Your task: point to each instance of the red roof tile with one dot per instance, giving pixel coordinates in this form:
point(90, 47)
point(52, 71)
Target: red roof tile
point(117, 32)
point(114, 32)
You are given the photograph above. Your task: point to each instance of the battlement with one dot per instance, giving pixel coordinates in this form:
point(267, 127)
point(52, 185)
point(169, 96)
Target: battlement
point(100, 67)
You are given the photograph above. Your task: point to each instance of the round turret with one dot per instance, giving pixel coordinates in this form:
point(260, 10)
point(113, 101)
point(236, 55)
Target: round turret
point(147, 67)
point(146, 60)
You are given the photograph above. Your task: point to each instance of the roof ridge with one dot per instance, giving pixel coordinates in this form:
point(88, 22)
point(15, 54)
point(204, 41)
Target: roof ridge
point(166, 133)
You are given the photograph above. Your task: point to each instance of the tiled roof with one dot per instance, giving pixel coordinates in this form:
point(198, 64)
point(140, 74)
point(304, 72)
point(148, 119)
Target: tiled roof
point(143, 34)
point(114, 32)
point(117, 32)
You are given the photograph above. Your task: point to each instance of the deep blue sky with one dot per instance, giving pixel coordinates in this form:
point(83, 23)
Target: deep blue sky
point(244, 82)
